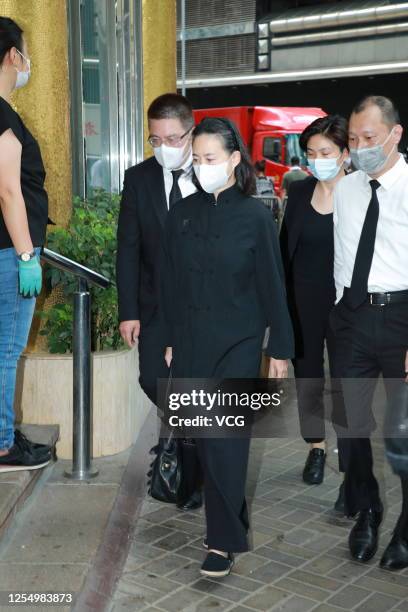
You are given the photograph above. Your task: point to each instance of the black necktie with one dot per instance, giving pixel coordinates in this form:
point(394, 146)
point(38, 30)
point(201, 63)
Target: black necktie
point(365, 251)
point(175, 193)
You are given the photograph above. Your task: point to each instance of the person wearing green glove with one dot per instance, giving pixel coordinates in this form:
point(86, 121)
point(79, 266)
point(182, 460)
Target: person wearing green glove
point(23, 222)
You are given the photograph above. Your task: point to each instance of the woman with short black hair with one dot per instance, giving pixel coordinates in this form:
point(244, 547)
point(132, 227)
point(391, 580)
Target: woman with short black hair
point(307, 245)
point(223, 285)
point(23, 222)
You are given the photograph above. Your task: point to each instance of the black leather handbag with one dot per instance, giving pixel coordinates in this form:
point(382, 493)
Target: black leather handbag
point(166, 470)
point(175, 471)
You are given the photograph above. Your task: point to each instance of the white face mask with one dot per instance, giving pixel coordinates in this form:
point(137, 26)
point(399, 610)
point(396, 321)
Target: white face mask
point(22, 75)
point(172, 158)
point(212, 176)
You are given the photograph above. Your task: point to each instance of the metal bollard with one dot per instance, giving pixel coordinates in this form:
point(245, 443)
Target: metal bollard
point(82, 402)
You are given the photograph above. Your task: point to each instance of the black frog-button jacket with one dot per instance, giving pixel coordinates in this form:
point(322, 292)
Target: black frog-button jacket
point(222, 284)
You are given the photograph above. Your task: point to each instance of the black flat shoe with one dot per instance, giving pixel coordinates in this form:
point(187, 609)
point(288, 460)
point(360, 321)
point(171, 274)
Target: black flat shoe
point(193, 503)
point(340, 503)
point(363, 538)
point(395, 556)
point(217, 566)
point(313, 472)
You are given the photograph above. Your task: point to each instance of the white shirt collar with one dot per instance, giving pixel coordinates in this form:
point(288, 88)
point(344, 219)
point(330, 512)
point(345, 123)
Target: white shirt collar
point(388, 179)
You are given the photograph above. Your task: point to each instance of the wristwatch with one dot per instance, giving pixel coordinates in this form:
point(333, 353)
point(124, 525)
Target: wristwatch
point(26, 256)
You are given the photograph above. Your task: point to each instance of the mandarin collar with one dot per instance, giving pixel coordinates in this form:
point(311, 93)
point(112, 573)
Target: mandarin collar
point(228, 195)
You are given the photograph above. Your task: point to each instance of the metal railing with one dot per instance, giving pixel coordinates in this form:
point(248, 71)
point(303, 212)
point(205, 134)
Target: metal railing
point(274, 204)
point(82, 393)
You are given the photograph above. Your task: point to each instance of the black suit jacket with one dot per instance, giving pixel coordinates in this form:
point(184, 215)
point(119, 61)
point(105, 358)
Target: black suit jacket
point(143, 212)
point(299, 197)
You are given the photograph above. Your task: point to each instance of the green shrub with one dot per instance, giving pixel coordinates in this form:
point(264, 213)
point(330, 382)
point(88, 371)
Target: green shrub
point(90, 239)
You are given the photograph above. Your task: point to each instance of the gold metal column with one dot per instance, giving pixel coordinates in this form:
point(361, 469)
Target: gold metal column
point(44, 102)
point(159, 51)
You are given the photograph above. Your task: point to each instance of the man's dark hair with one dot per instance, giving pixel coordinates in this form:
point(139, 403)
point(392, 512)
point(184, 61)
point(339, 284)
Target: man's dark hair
point(231, 141)
point(172, 106)
point(11, 35)
point(260, 166)
point(333, 127)
point(294, 160)
point(389, 113)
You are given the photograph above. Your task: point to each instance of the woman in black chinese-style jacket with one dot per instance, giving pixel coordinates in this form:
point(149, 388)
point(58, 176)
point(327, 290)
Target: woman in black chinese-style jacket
point(223, 284)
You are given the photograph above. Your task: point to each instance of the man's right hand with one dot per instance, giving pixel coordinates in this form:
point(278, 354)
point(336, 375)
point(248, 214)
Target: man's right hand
point(130, 330)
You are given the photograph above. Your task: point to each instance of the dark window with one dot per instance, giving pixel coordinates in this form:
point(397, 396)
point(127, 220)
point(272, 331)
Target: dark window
point(272, 148)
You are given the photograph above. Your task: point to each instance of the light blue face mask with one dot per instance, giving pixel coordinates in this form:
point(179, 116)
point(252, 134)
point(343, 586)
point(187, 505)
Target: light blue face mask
point(324, 169)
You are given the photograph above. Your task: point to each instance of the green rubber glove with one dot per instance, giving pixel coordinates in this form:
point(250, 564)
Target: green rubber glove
point(30, 277)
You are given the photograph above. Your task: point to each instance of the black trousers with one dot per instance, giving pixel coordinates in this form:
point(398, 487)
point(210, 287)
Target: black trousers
point(370, 341)
point(151, 357)
point(224, 462)
point(311, 307)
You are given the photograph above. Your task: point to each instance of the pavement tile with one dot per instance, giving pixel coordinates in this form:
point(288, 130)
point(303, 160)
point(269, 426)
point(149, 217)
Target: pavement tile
point(322, 565)
point(187, 573)
point(323, 582)
point(219, 589)
point(150, 580)
point(295, 604)
point(247, 564)
point(241, 582)
point(212, 604)
point(299, 551)
point(280, 557)
point(377, 603)
point(174, 540)
point(266, 598)
point(349, 597)
point(165, 564)
point(191, 552)
point(327, 608)
point(300, 588)
point(300, 536)
point(389, 587)
point(151, 534)
point(272, 571)
point(183, 599)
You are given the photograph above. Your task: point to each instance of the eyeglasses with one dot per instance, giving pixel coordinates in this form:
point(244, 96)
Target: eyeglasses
point(170, 141)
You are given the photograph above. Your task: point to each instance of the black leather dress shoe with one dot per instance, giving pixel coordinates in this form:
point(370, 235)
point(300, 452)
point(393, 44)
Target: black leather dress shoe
point(395, 556)
point(193, 503)
point(314, 468)
point(363, 538)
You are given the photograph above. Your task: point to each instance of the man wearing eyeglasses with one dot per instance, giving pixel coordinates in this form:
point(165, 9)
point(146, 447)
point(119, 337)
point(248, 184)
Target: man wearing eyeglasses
point(150, 189)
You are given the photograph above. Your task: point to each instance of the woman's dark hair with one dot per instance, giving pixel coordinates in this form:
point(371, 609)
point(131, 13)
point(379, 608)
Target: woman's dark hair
point(333, 127)
point(231, 141)
point(11, 35)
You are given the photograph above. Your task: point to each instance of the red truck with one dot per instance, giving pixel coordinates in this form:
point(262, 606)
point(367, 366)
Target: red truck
point(270, 132)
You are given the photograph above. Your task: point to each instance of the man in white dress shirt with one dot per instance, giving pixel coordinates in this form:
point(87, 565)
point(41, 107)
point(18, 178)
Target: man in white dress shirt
point(370, 319)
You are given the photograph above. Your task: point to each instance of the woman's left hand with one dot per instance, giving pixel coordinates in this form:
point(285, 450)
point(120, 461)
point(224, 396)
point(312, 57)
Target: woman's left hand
point(278, 368)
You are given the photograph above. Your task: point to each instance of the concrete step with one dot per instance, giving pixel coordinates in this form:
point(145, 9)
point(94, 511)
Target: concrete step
point(15, 487)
